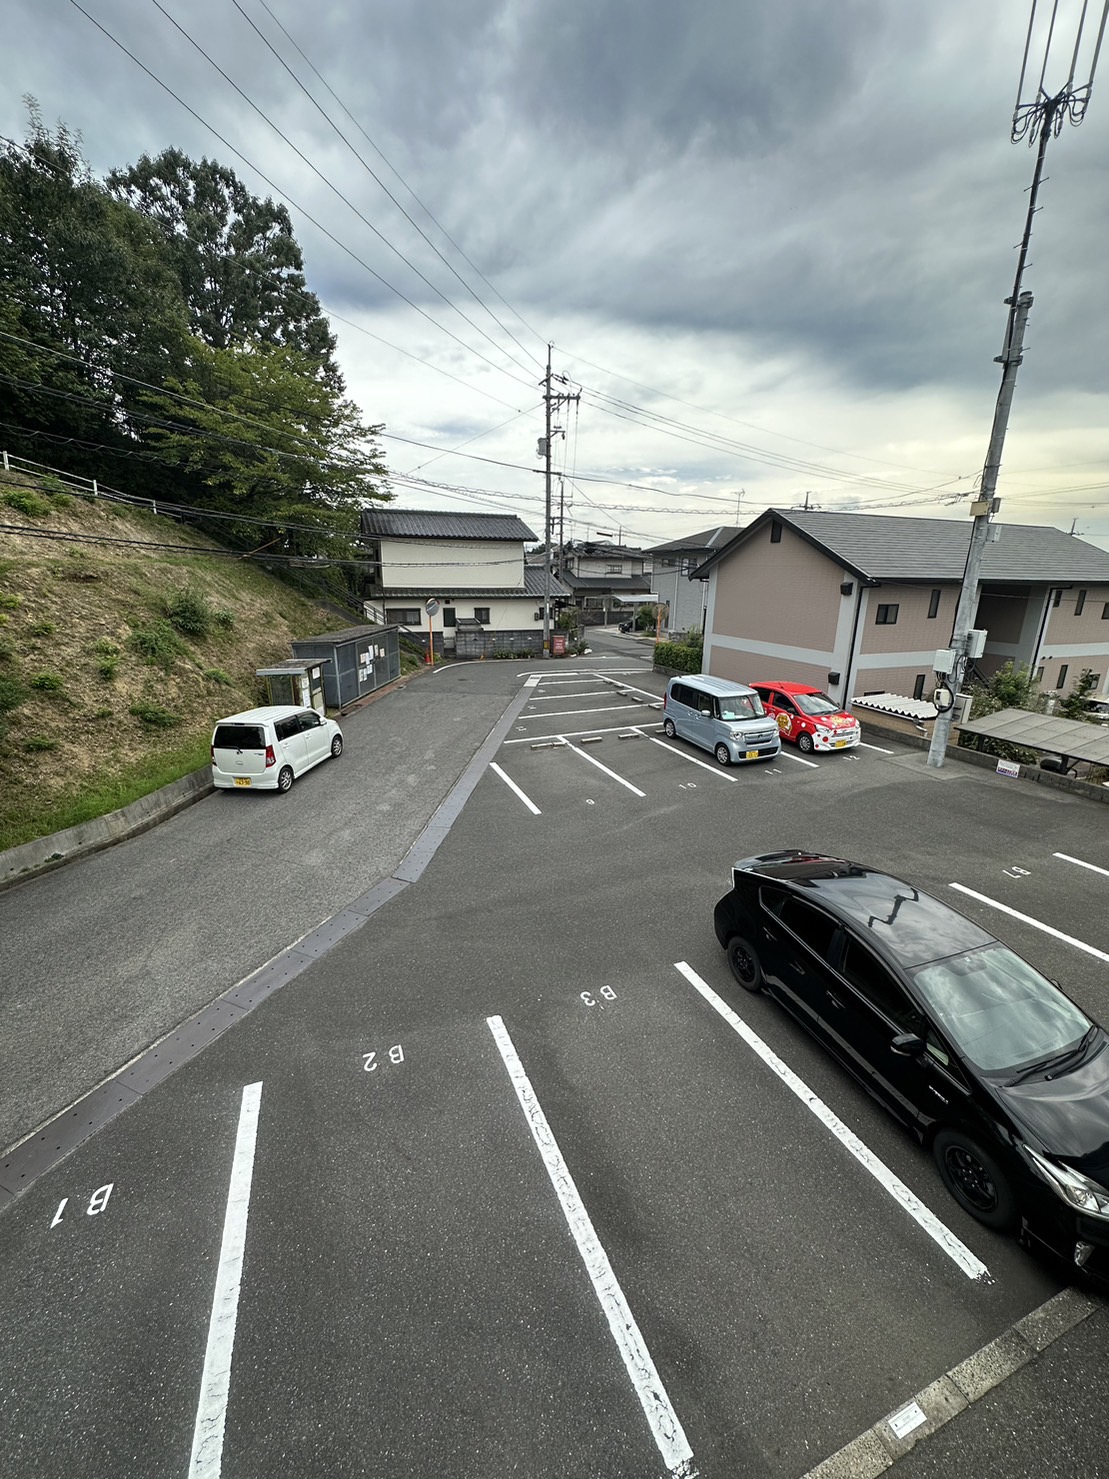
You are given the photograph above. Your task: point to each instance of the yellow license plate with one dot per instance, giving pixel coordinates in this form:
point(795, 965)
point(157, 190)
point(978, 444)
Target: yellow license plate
point(242, 780)
point(752, 754)
point(840, 744)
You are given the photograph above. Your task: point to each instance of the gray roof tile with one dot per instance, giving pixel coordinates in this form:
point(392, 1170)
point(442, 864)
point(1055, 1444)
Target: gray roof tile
point(396, 523)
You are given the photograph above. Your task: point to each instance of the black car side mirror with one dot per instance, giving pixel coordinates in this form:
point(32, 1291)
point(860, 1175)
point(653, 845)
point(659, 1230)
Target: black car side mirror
point(907, 1044)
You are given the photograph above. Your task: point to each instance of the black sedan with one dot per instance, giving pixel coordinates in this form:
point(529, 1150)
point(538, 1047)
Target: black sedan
point(988, 1063)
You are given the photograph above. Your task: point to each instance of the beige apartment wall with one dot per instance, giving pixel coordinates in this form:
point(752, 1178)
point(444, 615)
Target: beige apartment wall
point(1064, 627)
point(748, 665)
point(913, 631)
point(437, 565)
point(786, 593)
point(892, 680)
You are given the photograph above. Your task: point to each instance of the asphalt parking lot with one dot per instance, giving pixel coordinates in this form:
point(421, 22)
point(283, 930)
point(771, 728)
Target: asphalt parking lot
point(511, 1180)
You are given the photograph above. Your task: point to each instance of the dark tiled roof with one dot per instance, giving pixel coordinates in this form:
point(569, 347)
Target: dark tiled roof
point(531, 588)
point(616, 583)
point(887, 547)
point(398, 523)
point(707, 541)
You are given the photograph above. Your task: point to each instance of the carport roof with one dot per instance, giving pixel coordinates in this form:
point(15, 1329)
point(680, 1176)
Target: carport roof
point(888, 547)
point(1071, 737)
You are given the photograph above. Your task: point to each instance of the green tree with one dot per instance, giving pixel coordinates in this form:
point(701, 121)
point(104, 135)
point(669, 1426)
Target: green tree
point(1074, 705)
point(266, 437)
point(1013, 686)
point(237, 261)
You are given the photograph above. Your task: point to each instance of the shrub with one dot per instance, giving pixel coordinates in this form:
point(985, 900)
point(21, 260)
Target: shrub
point(157, 644)
point(108, 667)
point(27, 503)
point(12, 694)
point(225, 620)
point(154, 716)
point(9, 602)
point(39, 742)
point(6, 653)
point(105, 647)
point(47, 682)
point(217, 675)
point(42, 629)
point(101, 713)
point(190, 613)
point(678, 657)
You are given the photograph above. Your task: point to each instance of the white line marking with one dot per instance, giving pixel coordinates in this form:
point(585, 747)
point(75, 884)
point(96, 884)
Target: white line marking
point(511, 784)
point(585, 755)
point(556, 698)
point(575, 733)
point(714, 769)
point(207, 1453)
point(1048, 929)
point(787, 756)
point(665, 1425)
point(1093, 867)
point(864, 746)
point(566, 713)
point(956, 1250)
point(533, 683)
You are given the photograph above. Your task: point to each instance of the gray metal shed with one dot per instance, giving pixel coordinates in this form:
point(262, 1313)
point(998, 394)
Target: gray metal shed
point(359, 660)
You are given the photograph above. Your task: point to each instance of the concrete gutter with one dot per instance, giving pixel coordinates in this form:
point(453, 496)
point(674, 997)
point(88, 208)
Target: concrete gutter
point(46, 853)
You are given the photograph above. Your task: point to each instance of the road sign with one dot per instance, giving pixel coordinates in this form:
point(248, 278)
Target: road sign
point(432, 607)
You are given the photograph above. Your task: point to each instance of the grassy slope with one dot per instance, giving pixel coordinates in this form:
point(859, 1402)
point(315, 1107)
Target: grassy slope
point(73, 749)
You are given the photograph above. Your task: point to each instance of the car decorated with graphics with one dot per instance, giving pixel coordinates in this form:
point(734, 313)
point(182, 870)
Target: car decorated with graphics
point(808, 718)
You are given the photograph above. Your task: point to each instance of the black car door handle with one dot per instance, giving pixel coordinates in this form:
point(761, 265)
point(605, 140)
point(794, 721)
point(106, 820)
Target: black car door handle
point(834, 1001)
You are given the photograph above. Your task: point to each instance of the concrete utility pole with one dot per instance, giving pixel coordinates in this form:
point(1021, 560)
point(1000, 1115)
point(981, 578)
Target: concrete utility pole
point(1036, 120)
point(552, 401)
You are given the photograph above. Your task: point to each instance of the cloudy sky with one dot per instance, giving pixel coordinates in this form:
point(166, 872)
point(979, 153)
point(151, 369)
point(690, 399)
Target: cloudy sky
point(768, 241)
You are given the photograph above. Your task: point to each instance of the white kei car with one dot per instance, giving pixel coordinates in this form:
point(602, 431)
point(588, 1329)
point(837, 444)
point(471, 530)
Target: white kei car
point(266, 749)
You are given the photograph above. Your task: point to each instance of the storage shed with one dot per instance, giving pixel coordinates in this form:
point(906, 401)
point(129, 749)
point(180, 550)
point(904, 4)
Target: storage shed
point(357, 660)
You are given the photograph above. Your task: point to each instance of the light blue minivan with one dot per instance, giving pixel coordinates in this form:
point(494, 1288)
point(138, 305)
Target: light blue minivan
point(721, 716)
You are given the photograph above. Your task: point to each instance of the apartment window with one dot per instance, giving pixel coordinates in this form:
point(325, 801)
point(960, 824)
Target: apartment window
point(934, 604)
point(1040, 673)
point(405, 616)
point(1062, 675)
point(614, 569)
point(481, 613)
point(1105, 612)
point(1056, 595)
point(918, 686)
point(887, 615)
point(1080, 603)
point(775, 532)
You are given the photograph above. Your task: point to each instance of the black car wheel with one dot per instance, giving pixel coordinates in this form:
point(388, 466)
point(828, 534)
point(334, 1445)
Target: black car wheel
point(668, 728)
point(974, 1179)
point(284, 778)
point(744, 963)
point(805, 743)
point(723, 755)
point(336, 747)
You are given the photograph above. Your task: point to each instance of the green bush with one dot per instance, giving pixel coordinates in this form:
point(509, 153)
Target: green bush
point(108, 667)
point(190, 613)
point(42, 629)
point(217, 675)
point(9, 602)
point(101, 713)
point(48, 682)
point(154, 716)
point(27, 503)
point(12, 694)
point(105, 647)
point(6, 652)
point(39, 742)
point(225, 620)
point(679, 657)
point(157, 644)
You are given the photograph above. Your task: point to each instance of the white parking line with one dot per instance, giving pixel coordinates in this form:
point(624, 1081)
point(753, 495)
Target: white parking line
point(575, 733)
point(511, 784)
point(1048, 929)
point(786, 755)
point(594, 761)
point(571, 713)
point(864, 746)
point(555, 698)
point(665, 1425)
point(206, 1459)
point(714, 769)
point(945, 1239)
point(1093, 867)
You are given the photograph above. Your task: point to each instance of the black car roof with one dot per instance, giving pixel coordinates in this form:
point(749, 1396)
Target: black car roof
point(911, 926)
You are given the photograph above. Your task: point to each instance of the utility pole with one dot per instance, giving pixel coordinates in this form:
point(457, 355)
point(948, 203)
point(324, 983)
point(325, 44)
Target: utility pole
point(1037, 120)
point(552, 401)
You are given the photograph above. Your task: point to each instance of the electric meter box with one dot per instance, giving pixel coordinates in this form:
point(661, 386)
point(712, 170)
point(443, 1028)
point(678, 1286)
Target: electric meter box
point(944, 660)
point(976, 642)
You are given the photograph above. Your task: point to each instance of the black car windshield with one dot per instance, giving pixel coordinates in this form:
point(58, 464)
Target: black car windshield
point(740, 706)
point(999, 1012)
point(815, 704)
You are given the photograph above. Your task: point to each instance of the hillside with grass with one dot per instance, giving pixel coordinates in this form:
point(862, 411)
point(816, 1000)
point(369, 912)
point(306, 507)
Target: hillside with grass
point(116, 658)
